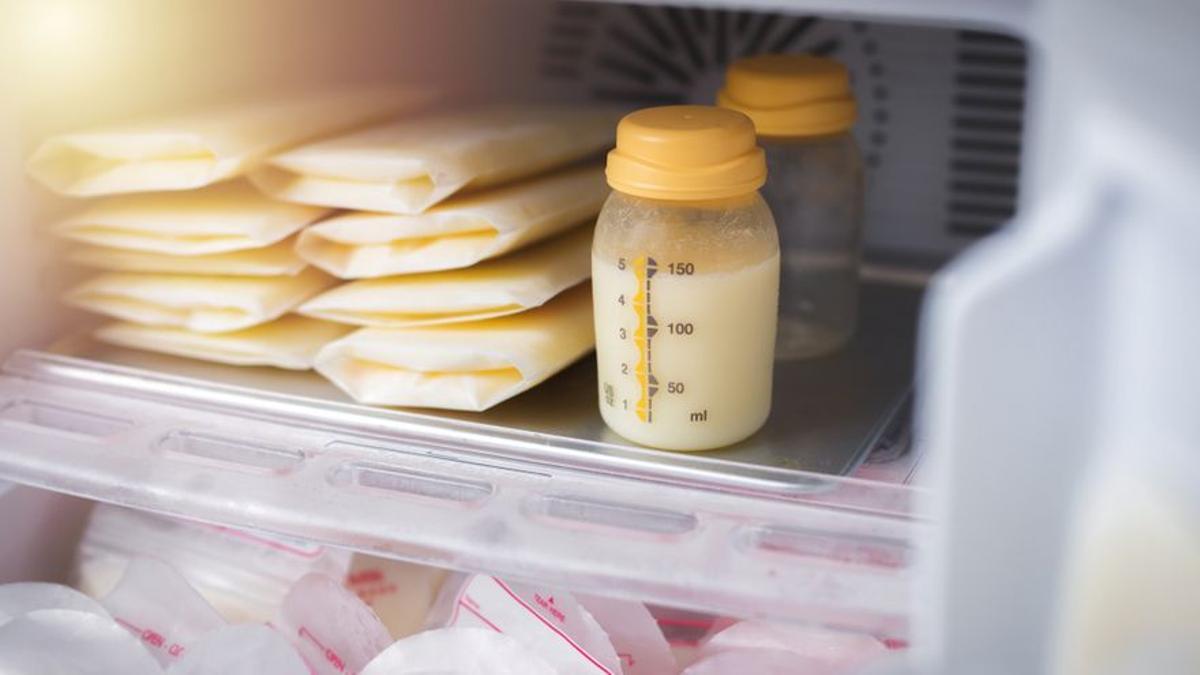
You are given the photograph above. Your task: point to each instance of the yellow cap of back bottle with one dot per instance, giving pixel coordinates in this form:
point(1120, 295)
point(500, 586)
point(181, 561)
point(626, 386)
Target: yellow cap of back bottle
point(790, 95)
point(686, 152)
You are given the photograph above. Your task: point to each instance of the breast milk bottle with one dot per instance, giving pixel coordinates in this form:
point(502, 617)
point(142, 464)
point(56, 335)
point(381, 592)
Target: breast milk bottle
point(685, 268)
point(803, 109)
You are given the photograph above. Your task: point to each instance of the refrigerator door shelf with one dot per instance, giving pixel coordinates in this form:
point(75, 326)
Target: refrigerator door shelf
point(762, 541)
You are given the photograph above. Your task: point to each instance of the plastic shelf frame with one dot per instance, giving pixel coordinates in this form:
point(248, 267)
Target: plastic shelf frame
point(559, 512)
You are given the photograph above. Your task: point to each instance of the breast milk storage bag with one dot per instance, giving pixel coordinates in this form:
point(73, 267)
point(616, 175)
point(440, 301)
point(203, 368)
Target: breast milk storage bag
point(206, 304)
point(413, 164)
point(471, 365)
point(289, 342)
point(508, 285)
point(278, 259)
point(803, 109)
point(457, 233)
point(685, 268)
point(224, 218)
point(205, 146)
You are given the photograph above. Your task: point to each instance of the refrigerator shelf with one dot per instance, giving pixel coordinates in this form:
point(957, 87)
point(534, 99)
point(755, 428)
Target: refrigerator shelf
point(495, 494)
point(828, 413)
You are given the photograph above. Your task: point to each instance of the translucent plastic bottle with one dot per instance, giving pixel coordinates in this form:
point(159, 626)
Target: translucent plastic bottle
point(803, 109)
point(685, 281)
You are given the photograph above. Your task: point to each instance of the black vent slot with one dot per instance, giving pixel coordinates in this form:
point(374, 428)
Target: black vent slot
point(985, 138)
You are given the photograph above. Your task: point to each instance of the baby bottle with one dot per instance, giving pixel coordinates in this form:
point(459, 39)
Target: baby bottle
point(685, 268)
point(803, 110)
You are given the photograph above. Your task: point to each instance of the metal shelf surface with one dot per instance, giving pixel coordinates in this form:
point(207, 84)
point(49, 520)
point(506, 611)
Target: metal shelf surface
point(533, 490)
point(827, 413)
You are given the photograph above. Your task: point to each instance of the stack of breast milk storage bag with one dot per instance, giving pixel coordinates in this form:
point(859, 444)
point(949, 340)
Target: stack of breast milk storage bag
point(222, 236)
point(468, 242)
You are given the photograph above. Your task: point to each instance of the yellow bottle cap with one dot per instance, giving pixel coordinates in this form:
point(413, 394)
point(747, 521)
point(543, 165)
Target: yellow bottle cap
point(686, 152)
point(790, 94)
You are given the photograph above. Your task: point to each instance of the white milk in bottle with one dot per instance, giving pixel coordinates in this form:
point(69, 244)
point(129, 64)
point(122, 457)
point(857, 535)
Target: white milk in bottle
point(685, 268)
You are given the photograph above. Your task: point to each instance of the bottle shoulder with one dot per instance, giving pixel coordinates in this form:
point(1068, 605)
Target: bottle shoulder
point(720, 234)
point(745, 211)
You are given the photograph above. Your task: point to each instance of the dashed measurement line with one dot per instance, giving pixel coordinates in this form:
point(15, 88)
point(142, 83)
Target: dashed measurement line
point(644, 269)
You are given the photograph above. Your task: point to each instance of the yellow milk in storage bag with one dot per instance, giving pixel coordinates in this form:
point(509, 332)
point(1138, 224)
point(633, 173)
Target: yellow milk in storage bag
point(206, 146)
point(205, 304)
point(412, 164)
point(457, 233)
point(278, 259)
point(685, 268)
point(509, 285)
point(219, 219)
point(290, 342)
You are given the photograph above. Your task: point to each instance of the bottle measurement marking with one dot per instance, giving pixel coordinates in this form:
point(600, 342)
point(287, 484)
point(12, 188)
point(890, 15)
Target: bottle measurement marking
point(644, 269)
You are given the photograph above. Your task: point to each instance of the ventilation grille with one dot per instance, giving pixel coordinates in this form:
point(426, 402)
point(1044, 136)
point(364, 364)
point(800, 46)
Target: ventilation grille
point(939, 109)
point(989, 103)
point(639, 55)
point(671, 48)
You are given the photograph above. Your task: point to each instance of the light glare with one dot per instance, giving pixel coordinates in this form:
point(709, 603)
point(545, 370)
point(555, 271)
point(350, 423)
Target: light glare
point(52, 24)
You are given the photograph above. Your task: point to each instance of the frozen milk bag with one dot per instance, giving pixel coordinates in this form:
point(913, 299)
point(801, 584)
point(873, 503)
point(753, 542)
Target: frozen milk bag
point(203, 147)
point(243, 649)
point(334, 632)
point(550, 622)
point(243, 574)
point(637, 637)
point(278, 259)
point(457, 233)
point(21, 598)
point(34, 643)
point(459, 651)
point(400, 592)
point(155, 603)
point(227, 217)
point(465, 366)
point(411, 164)
point(514, 283)
point(199, 303)
point(290, 342)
